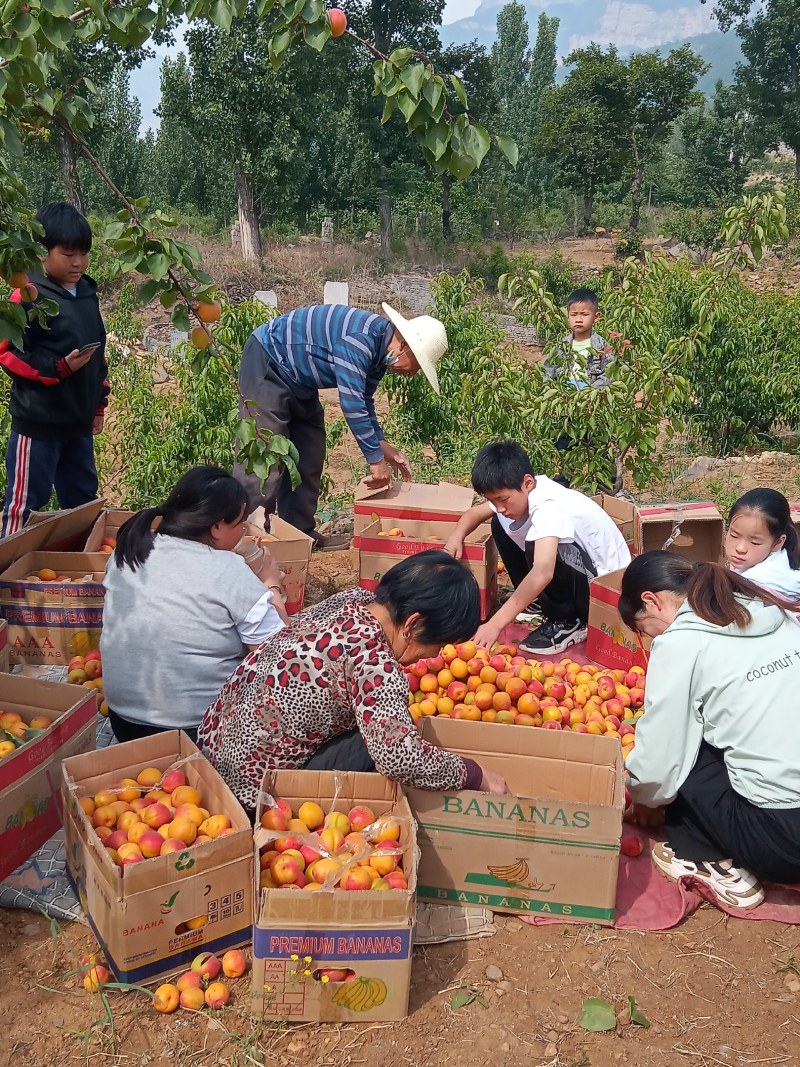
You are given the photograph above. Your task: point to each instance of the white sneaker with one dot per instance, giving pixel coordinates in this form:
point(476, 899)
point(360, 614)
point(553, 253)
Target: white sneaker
point(734, 886)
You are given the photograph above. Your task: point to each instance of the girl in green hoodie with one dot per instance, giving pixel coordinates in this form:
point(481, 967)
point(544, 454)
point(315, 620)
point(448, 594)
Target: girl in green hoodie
point(718, 747)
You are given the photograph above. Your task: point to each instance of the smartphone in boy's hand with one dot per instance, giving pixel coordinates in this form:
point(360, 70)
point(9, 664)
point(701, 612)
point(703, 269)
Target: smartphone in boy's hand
point(79, 357)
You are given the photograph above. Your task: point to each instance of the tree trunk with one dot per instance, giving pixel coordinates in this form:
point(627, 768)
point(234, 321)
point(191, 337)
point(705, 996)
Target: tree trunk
point(636, 196)
point(386, 213)
point(588, 207)
point(447, 231)
point(73, 193)
point(248, 217)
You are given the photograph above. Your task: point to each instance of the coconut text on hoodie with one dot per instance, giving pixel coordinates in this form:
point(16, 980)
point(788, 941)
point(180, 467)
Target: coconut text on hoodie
point(735, 688)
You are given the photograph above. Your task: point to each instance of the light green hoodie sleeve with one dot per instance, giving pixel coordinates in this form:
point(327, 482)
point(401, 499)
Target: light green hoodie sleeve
point(669, 734)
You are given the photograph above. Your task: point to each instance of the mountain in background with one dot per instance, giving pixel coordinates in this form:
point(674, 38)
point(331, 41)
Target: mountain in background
point(632, 27)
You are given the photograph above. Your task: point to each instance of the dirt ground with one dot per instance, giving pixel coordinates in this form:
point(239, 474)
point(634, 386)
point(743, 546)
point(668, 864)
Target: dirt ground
point(717, 991)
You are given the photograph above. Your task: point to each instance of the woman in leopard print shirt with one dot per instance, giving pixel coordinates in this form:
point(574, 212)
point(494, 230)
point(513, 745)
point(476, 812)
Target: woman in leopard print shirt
point(337, 669)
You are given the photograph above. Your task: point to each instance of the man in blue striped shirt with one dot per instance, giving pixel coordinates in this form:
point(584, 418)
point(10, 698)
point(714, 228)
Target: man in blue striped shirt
point(287, 361)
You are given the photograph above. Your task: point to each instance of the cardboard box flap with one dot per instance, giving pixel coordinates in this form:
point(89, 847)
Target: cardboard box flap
point(64, 531)
point(694, 529)
point(412, 497)
point(570, 768)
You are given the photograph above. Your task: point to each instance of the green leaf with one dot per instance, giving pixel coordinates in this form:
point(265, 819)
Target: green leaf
point(597, 1015)
point(63, 8)
point(401, 56)
point(10, 138)
point(312, 10)
point(246, 431)
point(221, 14)
point(24, 24)
point(433, 93)
point(475, 142)
point(459, 88)
point(436, 139)
point(58, 31)
point(412, 76)
point(637, 1017)
point(461, 998)
point(158, 265)
point(388, 108)
point(180, 318)
point(508, 146)
point(317, 34)
point(278, 45)
point(460, 165)
point(148, 291)
point(407, 104)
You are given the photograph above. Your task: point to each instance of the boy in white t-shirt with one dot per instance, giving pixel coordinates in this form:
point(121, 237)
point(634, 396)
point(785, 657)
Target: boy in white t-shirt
point(552, 540)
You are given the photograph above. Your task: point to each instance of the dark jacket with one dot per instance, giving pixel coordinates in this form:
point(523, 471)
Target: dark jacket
point(47, 400)
point(596, 361)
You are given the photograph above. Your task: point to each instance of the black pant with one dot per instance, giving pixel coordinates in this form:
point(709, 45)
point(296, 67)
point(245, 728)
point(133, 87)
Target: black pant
point(125, 730)
point(34, 466)
point(709, 820)
point(347, 752)
point(565, 599)
point(298, 415)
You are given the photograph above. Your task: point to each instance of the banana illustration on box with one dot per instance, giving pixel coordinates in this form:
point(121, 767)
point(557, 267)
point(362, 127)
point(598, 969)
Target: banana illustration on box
point(519, 874)
point(362, 994)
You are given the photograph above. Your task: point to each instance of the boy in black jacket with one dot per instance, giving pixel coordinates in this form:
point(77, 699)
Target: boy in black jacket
point(59, 391)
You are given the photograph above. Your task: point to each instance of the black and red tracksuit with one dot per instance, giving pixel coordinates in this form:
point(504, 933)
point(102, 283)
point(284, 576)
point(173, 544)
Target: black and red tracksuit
point(53, 409)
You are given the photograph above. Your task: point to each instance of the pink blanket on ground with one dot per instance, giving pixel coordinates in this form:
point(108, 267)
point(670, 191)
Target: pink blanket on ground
point(646, 900)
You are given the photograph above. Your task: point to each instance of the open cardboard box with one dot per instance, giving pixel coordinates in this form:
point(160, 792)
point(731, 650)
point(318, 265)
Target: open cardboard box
point(108, 524)
point(139, 914)
point(60, 531)
point(609, 641)
point(621, 511)
point(693, 530)
point(291, 550)
point(369, 933)
point(30, 778)
point(409, 502)
point(49, 622)
point(378, 552)
point(551, 846)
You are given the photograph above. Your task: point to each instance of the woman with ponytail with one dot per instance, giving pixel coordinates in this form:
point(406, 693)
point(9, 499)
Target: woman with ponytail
point(182, 608)
point(762, 543)
point(718, 746)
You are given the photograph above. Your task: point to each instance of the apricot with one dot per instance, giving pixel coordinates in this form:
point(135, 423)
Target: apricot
point(95, 978)
point(166, 998)
point(149, 777)
point(234, 963)
point(338, 22)
point(311, 814)
point(209, 311)
point(46, 574)
point(200, 338)
point(87, 804)
point(185, 794)
point(193, 999)
point(217, 995)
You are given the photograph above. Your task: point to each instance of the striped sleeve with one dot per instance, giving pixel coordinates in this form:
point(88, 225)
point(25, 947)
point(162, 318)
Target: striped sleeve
point(355, 359)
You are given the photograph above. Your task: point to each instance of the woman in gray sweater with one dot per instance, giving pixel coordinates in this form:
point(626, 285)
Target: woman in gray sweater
point(182, 608)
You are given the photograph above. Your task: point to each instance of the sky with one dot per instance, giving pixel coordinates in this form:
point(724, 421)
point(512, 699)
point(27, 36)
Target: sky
point(145, 81)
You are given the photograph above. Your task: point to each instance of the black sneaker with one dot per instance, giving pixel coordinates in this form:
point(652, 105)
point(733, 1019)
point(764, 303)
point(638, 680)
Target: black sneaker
point(553, 636)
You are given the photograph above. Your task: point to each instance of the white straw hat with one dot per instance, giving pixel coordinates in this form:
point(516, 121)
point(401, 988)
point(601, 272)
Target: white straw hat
point(425, 336)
